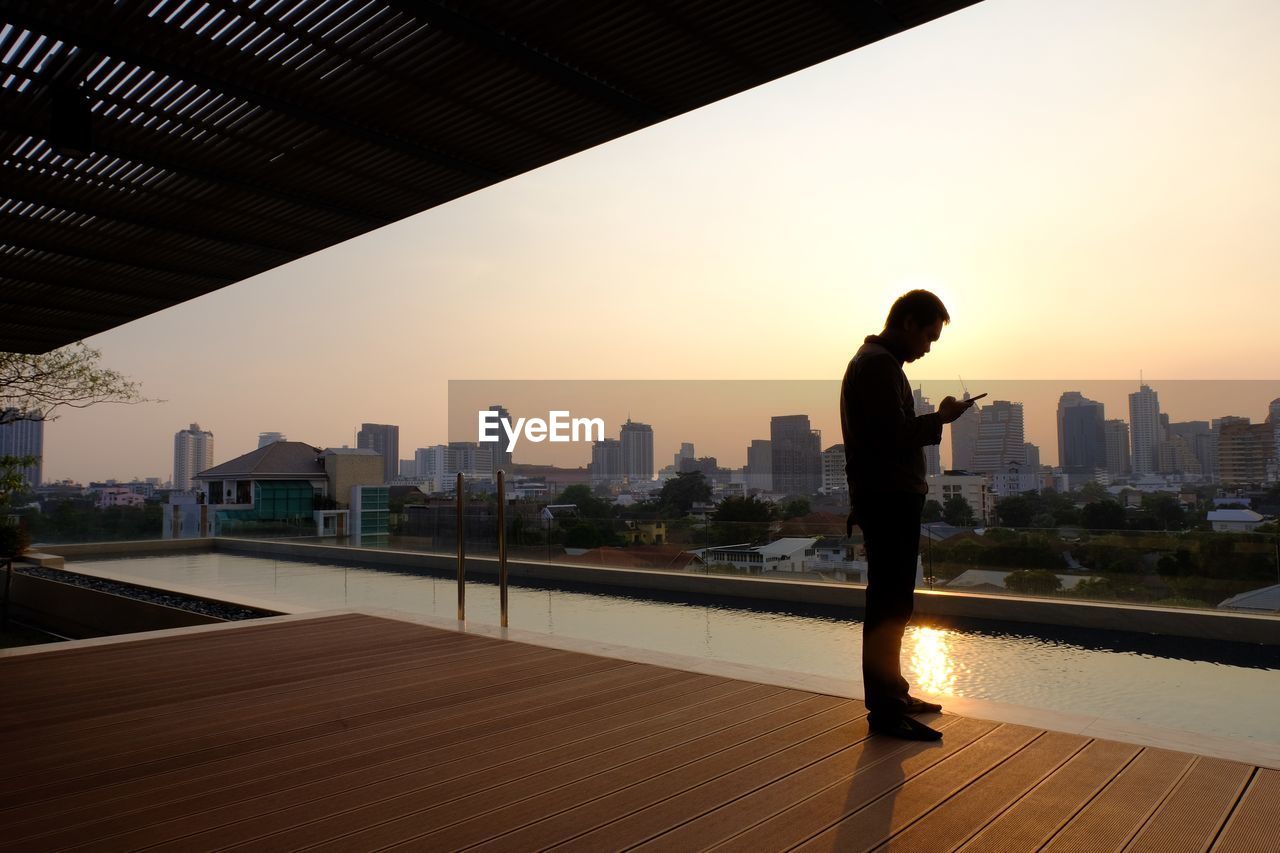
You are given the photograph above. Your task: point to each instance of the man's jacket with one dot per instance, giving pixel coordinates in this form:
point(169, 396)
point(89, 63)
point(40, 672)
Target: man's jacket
point(884, 439)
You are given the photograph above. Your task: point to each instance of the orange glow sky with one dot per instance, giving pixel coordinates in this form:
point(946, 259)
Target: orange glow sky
point(1091, 188)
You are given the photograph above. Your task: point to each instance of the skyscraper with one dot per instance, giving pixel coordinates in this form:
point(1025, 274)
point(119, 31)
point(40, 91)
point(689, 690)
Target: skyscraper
point(1082, 439)
point(23, 437)
point(686, 452)
point(265, 438)
point(1031, 452)
point(383, 439)
point(797, 455)
point(1000, 437)
point(759, 473)
point(192, 453)
point(932, 452)
point(1246, 453)
point(636, 443)
point(834, 477)
point(500, 456)
point(964, 437)
point(1185, 448)
point(1212, 471)
point(606, 461)
point(1119, 463)
point(1273, 418)
point(1144, 429)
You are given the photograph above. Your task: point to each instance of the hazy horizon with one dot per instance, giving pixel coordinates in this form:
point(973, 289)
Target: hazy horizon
point(1087, 186)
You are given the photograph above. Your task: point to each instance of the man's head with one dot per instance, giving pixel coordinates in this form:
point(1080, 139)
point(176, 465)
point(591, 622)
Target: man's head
point(915, 321)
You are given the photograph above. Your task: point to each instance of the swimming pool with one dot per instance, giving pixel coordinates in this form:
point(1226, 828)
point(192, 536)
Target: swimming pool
point(1220, 689)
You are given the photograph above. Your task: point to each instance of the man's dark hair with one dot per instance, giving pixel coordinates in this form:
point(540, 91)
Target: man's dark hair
point(921, 306)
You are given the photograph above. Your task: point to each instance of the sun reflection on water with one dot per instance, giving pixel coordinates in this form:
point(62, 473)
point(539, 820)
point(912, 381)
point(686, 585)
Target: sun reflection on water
point(932, 668)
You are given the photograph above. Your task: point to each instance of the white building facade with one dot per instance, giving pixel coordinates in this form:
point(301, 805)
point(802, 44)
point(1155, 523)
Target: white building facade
point(192, 453)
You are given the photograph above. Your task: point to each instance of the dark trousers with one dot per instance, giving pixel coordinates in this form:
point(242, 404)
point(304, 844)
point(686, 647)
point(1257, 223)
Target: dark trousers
point(890, 525)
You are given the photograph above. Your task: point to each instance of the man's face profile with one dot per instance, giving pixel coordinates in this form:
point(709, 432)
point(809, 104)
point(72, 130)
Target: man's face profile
point(919, 339)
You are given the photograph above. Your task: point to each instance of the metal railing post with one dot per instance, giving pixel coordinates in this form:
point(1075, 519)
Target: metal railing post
point(502, 546)
point(462, 548)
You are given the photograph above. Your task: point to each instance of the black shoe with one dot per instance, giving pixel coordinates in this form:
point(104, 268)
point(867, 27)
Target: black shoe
point(904, 728)
point(919, 706)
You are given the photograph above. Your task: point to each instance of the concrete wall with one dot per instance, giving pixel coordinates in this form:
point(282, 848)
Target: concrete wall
point(79, 612)
point(352, 469)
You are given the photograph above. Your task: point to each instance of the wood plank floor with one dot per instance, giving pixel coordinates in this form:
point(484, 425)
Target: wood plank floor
point(352, 732)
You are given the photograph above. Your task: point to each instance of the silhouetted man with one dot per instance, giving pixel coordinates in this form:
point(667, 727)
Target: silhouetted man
point(884, 445)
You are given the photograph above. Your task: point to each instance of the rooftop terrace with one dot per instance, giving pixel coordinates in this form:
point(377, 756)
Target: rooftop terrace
point(351, 731)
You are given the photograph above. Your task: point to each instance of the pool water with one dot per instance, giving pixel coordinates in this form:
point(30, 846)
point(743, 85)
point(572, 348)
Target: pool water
point(1220, 689)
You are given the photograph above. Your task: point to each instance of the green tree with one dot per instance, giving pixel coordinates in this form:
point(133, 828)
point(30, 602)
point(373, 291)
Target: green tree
point(956, 511)
point(34, 387)
point(11, 479)
point(932, 512)
point(682, 491)
point(1044, 521)
point(1180, 563)
point(1096, 588)
point(1092, 492)
point(1033, 581)
point(589, 506)
point(1104, 515)
point(795, 508)
point(742, 520)
point(583, 535)
point(1016, 510)
point(1166, 510)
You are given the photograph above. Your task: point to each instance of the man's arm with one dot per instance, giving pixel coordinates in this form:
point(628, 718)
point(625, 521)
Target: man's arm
point(877, 405)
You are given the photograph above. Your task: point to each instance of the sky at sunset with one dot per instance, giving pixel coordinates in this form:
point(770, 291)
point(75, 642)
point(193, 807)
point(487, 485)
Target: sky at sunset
point(1089, 186)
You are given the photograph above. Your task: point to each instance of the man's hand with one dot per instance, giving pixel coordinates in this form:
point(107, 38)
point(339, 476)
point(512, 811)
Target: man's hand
point(950, 408)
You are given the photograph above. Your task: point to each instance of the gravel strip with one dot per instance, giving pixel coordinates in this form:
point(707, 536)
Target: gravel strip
point(205, 606)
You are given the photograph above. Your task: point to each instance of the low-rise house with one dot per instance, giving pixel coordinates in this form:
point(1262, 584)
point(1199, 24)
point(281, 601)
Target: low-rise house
point(1264, 600)
point(285, 483)
point(1234, 520)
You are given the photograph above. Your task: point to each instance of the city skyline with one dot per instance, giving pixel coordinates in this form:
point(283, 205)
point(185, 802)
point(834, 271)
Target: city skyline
point(1181, 401)
point(744, 226)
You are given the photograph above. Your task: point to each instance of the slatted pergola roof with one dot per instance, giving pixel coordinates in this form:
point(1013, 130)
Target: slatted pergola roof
point(151, 152)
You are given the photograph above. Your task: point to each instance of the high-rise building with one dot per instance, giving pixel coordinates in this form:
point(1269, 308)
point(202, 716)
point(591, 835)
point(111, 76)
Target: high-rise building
point(636, 442)
point(606, 461)
point(192, 453)
point(408, 468)
point(1031, 452)
point(500, 457)
point(265, 438)
point(964, 437)
point(472, 460)
point(686, 452)
point(1000, 437)
point(797, 455)
point(1273, 418)
point(932, 452)
point(759, 471)
point(1209, 447)
point(23, 437)
point(436, 464)
point(1184, 449)
point(1119, 462)
point(383, 439)
point(1246, 453)
point(834, 478)
point(1082, 440)
point(1144, 429)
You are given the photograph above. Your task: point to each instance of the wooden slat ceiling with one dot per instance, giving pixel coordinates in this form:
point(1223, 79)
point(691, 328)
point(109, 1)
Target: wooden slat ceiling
point(151, 152)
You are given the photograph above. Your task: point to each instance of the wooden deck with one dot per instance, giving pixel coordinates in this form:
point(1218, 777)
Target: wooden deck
point(353, 733)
